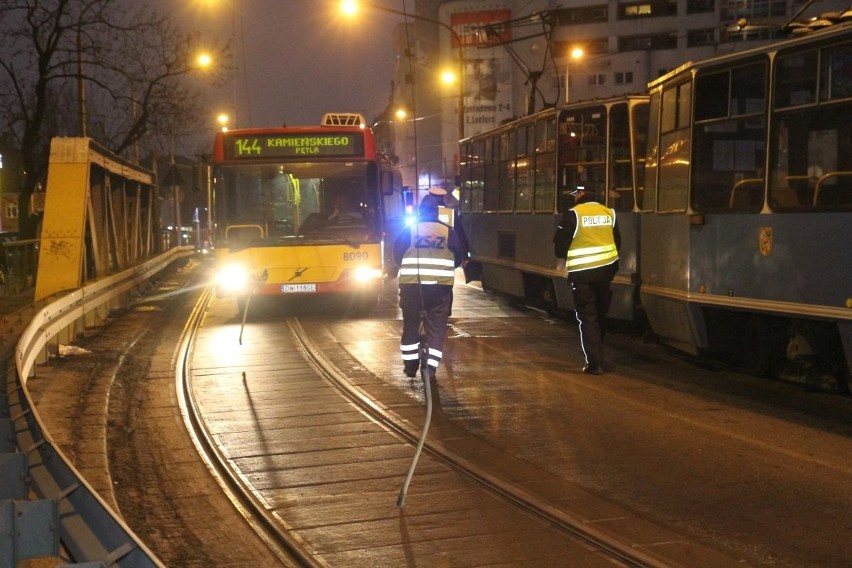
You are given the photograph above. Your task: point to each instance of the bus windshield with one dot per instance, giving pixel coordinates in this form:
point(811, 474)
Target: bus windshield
point(310, 200)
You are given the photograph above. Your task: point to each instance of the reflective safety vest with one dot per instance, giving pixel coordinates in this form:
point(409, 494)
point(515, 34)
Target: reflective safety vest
point(428, 260)
point(593, 244)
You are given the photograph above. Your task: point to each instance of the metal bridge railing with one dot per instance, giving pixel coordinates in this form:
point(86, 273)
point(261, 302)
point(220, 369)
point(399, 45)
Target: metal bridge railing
point(67, 518)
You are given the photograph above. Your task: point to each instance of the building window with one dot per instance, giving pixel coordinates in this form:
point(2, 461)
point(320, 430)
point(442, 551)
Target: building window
point(623, 77)
point(582, 15)
point(591, 46)
point(646, 42)
point(11, 210)
point(695, 38)
point(732, 10)
point(597, 79)
point(700, 6)
point(637, 10)
point(631, 10)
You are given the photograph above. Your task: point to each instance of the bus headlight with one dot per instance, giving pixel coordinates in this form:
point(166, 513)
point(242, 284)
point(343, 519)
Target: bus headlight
point(366, 274)
point(233, 278)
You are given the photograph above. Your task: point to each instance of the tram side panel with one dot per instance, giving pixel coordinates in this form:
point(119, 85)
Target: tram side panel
point(665, 257)
point(782, 270)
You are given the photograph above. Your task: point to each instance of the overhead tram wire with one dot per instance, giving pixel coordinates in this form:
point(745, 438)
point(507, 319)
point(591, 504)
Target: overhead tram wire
point(493, 30)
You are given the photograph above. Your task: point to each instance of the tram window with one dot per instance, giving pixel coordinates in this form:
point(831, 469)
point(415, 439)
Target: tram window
point(796, 79)
point(748, 89)
point(465, 168)
point(646, 199)
point(674, 148)
point(540, 135)
point(812, 160)
point(709, 102)
point(477, 176)
point(835, 73)
point(545, 182)
point(640, 146)
point(507, 144)
point(728, 166)
point(530, 139)
point(506, 182)
point(522, 138)
point(524, 183)
point(492, 174)
point(620, 194)
point(524, 168)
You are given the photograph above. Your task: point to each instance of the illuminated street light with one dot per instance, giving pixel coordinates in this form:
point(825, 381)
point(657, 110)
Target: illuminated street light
point(576, 53)
point(204, 60)
point(223, 119)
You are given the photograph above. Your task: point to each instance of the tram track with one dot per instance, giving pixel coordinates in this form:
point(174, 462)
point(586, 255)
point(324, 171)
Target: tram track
point(615, 549)
point(273, 529)
point(289, 550)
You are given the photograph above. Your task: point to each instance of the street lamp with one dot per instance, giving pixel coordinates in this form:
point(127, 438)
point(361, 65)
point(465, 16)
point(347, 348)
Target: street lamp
point(575, 54)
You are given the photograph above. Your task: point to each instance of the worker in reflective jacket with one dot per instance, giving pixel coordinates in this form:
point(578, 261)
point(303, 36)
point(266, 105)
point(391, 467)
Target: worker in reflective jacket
point(427, 253)
point(588, 240)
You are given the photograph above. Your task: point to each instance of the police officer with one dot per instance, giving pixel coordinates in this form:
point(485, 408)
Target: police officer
point(588, 239)
point(427, 252)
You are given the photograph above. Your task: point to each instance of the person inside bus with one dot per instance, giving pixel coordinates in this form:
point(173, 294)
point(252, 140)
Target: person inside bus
point(342, 212)
point(427, 254)
point(588, 238)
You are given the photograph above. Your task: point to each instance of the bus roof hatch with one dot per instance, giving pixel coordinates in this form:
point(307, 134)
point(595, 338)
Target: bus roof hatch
point(343, 119)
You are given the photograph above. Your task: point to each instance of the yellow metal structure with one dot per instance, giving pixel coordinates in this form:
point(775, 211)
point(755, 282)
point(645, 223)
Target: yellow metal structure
point(98, 216)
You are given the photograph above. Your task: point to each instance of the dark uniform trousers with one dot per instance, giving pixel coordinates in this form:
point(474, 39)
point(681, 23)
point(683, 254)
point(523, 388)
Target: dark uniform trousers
point(591, 302)
point(437, 301)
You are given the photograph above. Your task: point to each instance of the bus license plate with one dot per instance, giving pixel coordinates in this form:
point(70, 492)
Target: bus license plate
point(298, 288)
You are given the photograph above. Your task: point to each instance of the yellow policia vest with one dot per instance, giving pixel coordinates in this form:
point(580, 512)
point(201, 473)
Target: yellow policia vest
point(428, 259)
point(593, 244)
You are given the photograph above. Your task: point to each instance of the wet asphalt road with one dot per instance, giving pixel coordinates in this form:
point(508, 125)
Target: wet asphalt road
point(759, 469)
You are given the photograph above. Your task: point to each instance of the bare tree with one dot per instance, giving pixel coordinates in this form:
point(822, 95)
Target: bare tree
point(128, 68)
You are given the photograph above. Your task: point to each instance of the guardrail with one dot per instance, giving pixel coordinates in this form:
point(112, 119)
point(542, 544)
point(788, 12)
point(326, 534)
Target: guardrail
point(69, 517)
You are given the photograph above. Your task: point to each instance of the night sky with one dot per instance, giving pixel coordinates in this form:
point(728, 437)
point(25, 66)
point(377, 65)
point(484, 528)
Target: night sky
point(297, 59)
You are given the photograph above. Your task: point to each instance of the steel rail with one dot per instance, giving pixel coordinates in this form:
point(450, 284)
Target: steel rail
point(283, 544)
point(602, 540)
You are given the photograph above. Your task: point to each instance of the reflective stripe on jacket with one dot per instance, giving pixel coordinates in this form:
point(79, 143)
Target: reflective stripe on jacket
point(429, 259)
point(593, 244)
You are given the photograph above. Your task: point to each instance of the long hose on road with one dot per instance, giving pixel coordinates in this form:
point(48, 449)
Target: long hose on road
point(427, 391)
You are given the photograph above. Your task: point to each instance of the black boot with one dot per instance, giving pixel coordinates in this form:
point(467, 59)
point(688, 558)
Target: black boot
point(411, 368)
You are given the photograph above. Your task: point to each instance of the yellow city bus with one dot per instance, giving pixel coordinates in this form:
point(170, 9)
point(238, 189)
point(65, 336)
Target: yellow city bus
point(303, 211)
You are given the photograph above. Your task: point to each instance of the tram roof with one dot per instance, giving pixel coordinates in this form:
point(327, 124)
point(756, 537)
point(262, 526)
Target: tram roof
point(813, 35)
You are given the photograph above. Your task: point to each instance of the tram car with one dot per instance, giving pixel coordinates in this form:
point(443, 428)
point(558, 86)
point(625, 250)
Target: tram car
point(303, 211)
point(737, 240)
point(516, 181)
point(746, 245)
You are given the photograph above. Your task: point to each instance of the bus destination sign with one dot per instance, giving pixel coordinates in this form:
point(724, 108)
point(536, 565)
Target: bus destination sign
point(293, 145)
